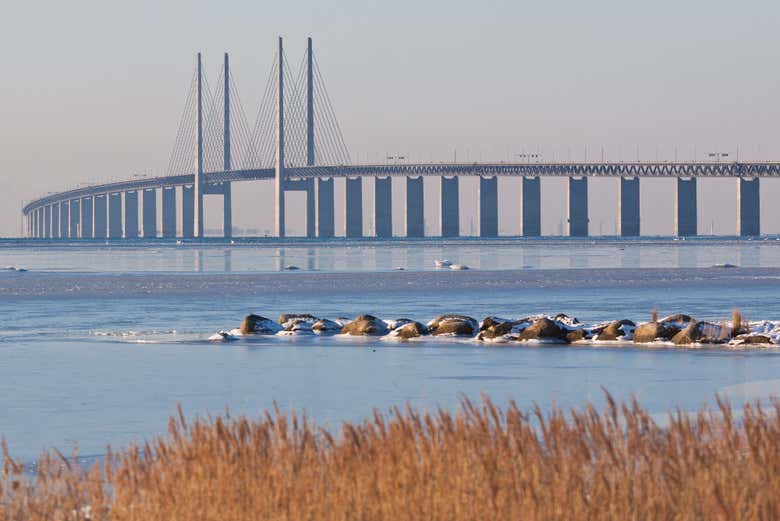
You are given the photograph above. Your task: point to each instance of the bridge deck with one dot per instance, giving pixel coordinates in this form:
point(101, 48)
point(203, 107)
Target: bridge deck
point(632, 169)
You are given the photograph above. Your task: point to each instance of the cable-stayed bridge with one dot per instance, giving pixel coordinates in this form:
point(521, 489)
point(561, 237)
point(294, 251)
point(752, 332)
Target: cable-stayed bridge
point(296, 143)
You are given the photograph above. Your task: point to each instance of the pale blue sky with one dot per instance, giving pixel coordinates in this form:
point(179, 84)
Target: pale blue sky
point(93, 90)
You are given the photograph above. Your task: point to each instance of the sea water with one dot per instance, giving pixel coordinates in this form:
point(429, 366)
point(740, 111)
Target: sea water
point(99, 343)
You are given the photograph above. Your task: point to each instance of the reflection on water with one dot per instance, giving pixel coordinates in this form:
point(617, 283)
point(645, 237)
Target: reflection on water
point(310, 260)
point(629, 257)
point(198, 261)
point(227, 256)
point(689, 258)
point(343, 255)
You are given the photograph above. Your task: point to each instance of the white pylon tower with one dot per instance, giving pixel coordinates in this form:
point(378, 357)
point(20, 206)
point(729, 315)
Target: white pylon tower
point(198, 203)
point(309, 105)
point(279, 174)
point(311, 191)
point(227, 162)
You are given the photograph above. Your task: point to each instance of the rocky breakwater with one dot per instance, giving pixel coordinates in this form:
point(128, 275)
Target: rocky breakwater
point(673, 330)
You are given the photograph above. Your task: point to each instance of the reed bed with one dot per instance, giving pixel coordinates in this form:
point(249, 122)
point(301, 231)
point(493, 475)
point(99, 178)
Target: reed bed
point(480, 462)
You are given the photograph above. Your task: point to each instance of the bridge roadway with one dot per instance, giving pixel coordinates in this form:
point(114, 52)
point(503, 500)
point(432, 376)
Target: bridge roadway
point(46, 217)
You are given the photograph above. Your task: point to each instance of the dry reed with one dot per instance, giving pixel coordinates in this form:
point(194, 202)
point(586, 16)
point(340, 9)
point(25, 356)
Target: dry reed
point(482, 462)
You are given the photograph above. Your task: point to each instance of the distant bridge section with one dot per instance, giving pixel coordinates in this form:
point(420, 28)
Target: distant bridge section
point(297, 144)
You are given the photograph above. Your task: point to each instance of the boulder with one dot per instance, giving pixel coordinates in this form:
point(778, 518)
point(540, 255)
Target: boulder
point(751, 339)
point(690, 335)
point(365, 325)
point(302, 317)
point(257, 325)
point(614, 330)
point(410, 329)
point(458, 325)
point(298, 326)
point(679, 320)
point(493, 327)
point(323, 326)
point(566, 320)
point(576, 335)
point(701, 333)
point(544, 329)
point(398, 322)
point(652, 331)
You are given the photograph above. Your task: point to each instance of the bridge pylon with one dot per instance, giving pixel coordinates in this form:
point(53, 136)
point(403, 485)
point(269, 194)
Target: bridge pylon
point(198, 206)
point(279, 160)
point(227, 219)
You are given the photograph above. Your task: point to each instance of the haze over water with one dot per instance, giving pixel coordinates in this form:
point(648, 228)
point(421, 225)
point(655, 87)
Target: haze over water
point(100, 342)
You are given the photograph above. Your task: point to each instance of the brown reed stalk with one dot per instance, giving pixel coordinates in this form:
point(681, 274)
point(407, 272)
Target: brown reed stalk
point(736, 321)
point(481, 462)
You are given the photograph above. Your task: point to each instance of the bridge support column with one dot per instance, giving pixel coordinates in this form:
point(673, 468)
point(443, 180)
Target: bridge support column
point(311, 209)
point(47, 222)
point(449, 207)
point(42, 223)
point(131, 214)
point(115, 215)
point(488, 206)
point(628, 199)
point(101, 223)
point(74, 210)
point(169, 212)
point(86, 217)
point(415, 207)
point(63, 219)
point(150, 213)
point(531, 207)
point(578, 207)
point(55, 221)
point(188, 211)
point(354, 207)
point(749, 209)
point(383, 207)
point(685, 222)
point(227, 209)
point(326, 226)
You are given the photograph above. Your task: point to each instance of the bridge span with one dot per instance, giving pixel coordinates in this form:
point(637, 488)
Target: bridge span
point(112, 210)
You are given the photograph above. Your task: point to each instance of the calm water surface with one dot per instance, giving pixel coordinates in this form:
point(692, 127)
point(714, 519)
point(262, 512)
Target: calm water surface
point(78, 366)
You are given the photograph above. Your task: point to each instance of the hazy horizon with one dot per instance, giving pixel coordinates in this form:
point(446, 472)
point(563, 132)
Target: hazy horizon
point(94, 92)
